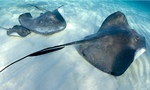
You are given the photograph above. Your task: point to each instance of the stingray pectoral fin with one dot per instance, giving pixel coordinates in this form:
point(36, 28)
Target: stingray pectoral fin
point(26, 21)
point(122, 61)
point(115, 20)
point(25, 18)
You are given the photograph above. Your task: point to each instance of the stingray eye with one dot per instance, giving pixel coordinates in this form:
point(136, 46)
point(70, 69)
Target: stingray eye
point(136, 39)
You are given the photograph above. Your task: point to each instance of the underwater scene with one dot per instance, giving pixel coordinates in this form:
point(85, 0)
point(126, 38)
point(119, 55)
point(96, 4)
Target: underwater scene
point(29, 26)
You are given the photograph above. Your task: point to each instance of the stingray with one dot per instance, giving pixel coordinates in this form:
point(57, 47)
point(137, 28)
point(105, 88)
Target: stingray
point(47, 23)
point(112, 49)
point(17, 30)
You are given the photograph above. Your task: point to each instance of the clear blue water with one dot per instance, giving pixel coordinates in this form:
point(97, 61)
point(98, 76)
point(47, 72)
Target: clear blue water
point(66, 69)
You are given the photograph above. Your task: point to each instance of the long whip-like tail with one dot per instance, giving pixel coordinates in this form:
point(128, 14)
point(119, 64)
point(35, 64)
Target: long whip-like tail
point(4, 28)
point(45, 51)
point(41, 8)
point(37, 7)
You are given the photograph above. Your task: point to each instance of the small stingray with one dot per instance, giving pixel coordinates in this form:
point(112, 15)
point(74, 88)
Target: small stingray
point(112, 49)
point(17, 30)
point(47, 23)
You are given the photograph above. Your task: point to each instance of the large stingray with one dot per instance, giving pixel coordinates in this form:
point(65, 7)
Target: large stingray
point(112, 49)
point(47, 23)
point(17, 30)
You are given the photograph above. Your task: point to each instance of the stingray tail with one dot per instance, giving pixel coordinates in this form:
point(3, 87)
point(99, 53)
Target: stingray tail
point(12, 63)
point(4, 28)
point(45, 51)
point(37, 7)
point(60, 6)
point(41, 52)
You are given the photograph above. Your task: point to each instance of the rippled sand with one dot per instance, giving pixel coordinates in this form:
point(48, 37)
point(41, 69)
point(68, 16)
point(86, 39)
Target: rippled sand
point(66, 69)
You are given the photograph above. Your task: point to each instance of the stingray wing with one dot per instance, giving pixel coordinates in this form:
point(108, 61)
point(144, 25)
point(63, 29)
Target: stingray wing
point(46, 23)
point(110, 53)
point(115, 20)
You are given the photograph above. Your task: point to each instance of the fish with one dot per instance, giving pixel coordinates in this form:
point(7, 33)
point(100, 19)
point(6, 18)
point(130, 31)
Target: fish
point(116, 47)
point(47, 23)
point(17, 30)
point(112, 49)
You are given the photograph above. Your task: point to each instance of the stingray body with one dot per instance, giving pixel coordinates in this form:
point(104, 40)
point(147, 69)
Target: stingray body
point(17, 30)
point(112, 49)
point(47, 23)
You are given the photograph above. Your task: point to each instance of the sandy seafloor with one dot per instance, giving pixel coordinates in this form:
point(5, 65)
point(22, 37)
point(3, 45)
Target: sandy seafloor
point(66, 69)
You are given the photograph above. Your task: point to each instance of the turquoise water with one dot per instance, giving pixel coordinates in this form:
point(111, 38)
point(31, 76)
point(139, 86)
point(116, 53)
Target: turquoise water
point(66, 69)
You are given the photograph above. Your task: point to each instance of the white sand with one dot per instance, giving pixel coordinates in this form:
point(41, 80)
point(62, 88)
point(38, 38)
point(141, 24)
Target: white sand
point(66, 69)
